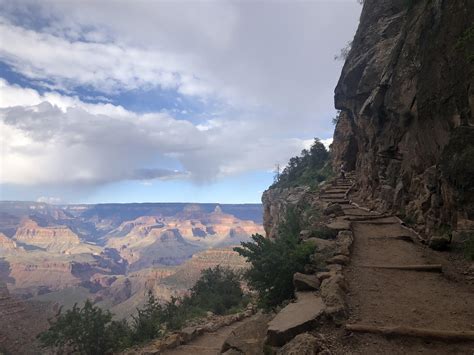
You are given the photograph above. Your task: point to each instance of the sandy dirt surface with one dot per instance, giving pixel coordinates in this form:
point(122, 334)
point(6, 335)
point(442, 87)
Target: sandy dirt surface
point(382, 297)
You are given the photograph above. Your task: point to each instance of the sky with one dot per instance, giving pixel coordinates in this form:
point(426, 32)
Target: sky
point(163, 101)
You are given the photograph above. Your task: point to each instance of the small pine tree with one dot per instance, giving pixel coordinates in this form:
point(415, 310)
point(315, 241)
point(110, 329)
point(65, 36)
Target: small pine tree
point(147, 322)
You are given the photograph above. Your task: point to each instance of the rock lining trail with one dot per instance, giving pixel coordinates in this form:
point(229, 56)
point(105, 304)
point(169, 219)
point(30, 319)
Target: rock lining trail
point(208, 343)
point(383, 297)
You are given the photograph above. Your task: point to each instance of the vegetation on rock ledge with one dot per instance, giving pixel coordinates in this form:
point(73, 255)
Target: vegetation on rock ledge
point(274, 262)
point(313, 166)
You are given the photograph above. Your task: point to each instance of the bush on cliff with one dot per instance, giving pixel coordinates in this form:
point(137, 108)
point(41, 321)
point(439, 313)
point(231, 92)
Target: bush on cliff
point(86, 330)
point(308, 169)
point(274, 262)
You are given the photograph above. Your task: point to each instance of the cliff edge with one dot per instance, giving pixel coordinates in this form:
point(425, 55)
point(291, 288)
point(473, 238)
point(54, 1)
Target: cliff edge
point(406, 100)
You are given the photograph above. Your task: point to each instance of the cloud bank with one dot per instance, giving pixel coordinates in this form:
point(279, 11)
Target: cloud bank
point(263, 73)
point(52, 139)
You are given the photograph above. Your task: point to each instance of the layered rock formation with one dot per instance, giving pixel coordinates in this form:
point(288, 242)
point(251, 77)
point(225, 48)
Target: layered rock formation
point(188, 273)
point(151, 241)
point(8, 246)
point(406, 99)
point(52, 238)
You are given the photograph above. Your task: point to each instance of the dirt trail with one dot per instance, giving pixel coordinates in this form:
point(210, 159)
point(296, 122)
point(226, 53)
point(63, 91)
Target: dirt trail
point(381, 297)
point(208, 343)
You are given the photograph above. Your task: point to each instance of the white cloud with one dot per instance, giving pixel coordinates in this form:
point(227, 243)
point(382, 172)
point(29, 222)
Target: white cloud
point(49, 199)
point(272, 55)
point(55, 139)
point(106, 67)
point(268, 66)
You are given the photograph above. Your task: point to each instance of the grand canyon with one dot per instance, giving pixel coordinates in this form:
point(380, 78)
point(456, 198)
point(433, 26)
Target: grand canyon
point(114, 254)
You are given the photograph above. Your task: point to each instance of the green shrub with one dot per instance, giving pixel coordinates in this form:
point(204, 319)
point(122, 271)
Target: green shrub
point(273, 263)
point(218, 290)
point(90, 330)
point(147, 323)
point(87, 330)
point(309, 169)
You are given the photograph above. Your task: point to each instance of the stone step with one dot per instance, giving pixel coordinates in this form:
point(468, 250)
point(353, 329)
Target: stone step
point(339, 201)
point(436, 334)
point(424, 267)
point(334, 196)
point(296, 318)
point(332, 193)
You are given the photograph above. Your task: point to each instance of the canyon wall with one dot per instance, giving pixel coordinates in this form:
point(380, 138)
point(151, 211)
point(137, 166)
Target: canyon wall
point(406, 100)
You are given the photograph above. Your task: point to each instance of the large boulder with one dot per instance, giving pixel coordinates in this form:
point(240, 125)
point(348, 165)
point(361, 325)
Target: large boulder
point(343, 242)
point(295, 318)
point(439, 242)
point(338, 259)
point(248, 338)
point(333, 293)
point(322, 245)
point(335, 209)
point(340, 224)
point(304, 282)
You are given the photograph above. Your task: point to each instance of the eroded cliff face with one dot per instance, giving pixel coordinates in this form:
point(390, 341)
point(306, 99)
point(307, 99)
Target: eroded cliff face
point(275, 206)
point(406, 99)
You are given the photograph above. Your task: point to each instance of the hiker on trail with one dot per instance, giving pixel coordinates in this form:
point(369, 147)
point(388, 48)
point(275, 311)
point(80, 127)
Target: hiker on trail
point(343, 171)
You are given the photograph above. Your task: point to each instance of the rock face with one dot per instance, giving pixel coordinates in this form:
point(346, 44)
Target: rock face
point(275, 205)
point(8, 246)
point(406, 99)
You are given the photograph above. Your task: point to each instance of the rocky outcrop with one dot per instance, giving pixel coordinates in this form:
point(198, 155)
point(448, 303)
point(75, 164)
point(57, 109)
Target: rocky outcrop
point(8, 246)
point(306, 203)
point(52, 238)
point(406, 99)
point(275, 205)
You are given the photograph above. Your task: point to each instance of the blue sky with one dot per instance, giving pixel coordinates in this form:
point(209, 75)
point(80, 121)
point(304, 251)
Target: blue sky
point(115, 101)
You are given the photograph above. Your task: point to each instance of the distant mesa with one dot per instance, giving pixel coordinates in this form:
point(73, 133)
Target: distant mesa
point(192, 208)
point(55, 238)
